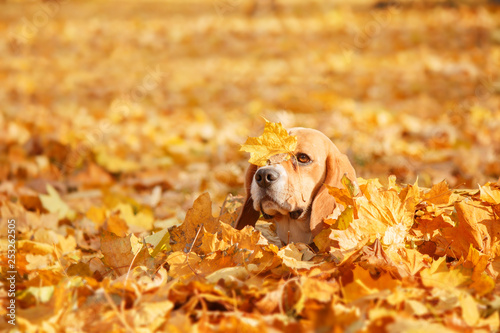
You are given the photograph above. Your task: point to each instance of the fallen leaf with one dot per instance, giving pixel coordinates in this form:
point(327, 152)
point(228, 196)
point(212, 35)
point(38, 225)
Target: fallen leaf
point(470, 312)
point(159, 241)
point(198, 220)
point(476, 223)
point(54, 204)
point(124, 253)
point(231, 273)
point(292, 256)
point(440, 276)
point(364, 284)
point(490, 194)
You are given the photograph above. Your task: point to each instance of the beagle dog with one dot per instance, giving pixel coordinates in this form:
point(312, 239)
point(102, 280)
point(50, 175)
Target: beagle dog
point(292, 192)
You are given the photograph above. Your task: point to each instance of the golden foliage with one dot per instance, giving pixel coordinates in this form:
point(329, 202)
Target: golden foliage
point(274, 141)
point(118, 119)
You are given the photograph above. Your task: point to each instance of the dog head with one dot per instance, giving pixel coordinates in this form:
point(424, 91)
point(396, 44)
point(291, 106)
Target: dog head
point(292, 191)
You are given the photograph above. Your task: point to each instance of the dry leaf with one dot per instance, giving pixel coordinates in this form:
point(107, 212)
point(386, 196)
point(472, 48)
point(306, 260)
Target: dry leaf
point(54, 204)
point(275, 140)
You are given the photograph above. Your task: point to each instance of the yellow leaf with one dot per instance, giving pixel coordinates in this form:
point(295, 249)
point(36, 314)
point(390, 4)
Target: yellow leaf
point(232, 273)
point(483, 284)
point(275, 140)
point(96, 215)
point(352, 187)
point(476, 226)
point(408, 325)
point(143, 219)
point(416, 308)
point(440, 276)
point(151, 315)
point(343, 197)
point(439, 194)
point(293, 257)
point(385, 212)
point(37, 262)
point(490, 194)
point(34, 247)
point(65, 244)
point(116, 225)
point(492, 321)
point(159, 241)
point(114, 163)
point(36, 294)
point(211, 243)
point(414, 260)
point(470, 312)
point(477, 261)
point(364, 284)
point(323, 240)
point(54, 204)
point(344, 219)
point(182, 265)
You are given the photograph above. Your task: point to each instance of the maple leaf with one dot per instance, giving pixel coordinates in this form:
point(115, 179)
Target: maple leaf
point(64, 244)
point(490, 194)
point(122, 253)
point(439, 194)
point(275, 140)
point(39, 294)
point(440, 276)
point(159, 241)
point(415, 261)
point(470, 312)
point(199, 220)
point(477, 225)
point(477, 263)
point(387, 214)
point(296, 256)
point(374, 259)
point(96, 215)
point(150, 316)
point(116, 225)
point(344, 220)
point(141, 220)
point(232, 273)
point(54, 204)
point(182, 264)
point(364, 284)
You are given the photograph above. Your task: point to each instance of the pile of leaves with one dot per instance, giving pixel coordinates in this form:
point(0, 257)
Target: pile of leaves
point(397, 258)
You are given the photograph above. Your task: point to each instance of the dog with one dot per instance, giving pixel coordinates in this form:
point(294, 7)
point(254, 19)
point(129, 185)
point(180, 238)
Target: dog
point(292, 192)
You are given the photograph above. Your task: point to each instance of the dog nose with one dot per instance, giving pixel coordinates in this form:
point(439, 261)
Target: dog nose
point(265, 177)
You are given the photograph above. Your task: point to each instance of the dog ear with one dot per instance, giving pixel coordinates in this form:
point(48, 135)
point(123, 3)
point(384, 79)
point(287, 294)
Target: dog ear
point(337, 164)
point(248, 215)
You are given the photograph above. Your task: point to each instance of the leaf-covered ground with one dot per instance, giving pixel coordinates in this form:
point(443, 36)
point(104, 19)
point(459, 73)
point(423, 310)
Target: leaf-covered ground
point(118, 118)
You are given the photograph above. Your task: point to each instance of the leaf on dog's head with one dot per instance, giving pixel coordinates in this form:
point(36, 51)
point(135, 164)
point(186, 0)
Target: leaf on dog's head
point(275, 140)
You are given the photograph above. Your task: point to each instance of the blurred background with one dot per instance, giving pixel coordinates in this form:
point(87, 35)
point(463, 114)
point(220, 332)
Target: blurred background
point(151, 99)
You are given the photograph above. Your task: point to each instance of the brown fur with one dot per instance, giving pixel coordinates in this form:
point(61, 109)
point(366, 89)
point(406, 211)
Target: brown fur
point(305, 188)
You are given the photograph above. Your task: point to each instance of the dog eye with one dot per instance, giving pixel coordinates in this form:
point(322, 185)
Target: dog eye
point(303, 158)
